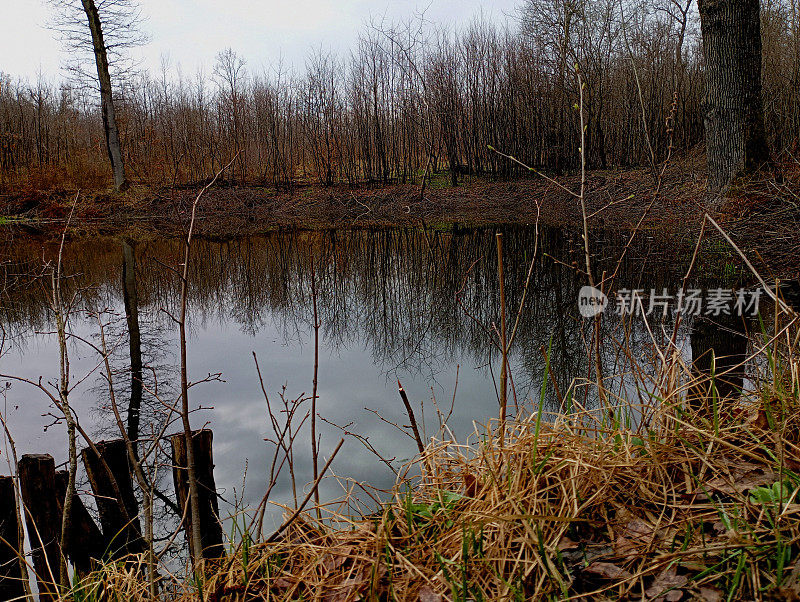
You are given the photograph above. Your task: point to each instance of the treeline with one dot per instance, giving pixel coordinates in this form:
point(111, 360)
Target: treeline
point(408, 103)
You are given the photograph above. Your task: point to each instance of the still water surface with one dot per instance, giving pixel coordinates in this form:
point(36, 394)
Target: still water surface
point(418, 306)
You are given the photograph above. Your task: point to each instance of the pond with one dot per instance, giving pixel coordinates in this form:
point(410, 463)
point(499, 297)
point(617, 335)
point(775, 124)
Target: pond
point(418, 306)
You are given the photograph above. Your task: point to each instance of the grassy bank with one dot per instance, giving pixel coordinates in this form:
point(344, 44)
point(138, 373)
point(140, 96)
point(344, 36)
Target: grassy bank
point(687, 496)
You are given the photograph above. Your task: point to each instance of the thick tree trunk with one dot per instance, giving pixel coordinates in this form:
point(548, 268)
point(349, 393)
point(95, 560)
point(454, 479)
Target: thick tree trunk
point(733, 108)
point(106, 99)
point(11, 573)
point(210, 526)
point(37, 475)
point(118, 509)
point(719, 350)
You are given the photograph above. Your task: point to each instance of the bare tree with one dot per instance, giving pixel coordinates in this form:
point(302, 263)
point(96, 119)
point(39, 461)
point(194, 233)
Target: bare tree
point(112, 27)
point(106, 97)
point(131, 300)
point(231, 78)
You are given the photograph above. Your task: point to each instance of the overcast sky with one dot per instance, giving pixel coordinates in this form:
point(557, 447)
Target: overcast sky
point(191, 32)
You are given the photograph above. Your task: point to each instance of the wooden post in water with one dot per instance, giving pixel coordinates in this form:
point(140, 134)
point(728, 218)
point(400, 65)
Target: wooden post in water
point(37, 474)
point(211, 528)
point(11, 575)
point(122, 533)
point(86, 542)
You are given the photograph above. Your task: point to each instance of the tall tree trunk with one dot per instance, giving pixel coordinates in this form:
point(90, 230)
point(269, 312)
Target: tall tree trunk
point(106, 99)
point(733, 108)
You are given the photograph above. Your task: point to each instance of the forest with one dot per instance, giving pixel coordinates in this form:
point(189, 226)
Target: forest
point(484, 306)
point(409, 101)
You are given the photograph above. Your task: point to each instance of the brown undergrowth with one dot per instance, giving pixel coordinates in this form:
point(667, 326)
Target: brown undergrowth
point(762, 215)
point(688, 497)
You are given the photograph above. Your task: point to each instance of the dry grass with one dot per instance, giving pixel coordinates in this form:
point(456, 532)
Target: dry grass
point(698, 501)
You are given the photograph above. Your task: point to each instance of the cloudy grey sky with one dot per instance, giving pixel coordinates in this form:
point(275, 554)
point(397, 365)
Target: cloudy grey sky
point(191, 32)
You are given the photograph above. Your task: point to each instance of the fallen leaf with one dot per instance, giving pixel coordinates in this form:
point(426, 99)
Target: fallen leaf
point(636, 535)
point(331, 561)
point(367, 527)
point(761, 421)
point(282, 583)
point(607, 570)
point(793, 580)
point(470, 485)
point(780, 594)
point(565, 543)
point(586, 553)
point(667, 580)
point(426, 594)
point(743, 478)
point(347, 590)
point(719, 527)
point(711, 594)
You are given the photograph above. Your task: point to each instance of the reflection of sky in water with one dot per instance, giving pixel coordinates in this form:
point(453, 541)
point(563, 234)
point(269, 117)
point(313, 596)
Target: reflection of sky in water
point(349, 382)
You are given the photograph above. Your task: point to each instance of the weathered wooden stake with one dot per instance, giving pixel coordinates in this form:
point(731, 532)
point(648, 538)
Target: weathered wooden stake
point(37, 474)
point(211, 528)
point(86, 542)
point(11, 575)
point(121, 536)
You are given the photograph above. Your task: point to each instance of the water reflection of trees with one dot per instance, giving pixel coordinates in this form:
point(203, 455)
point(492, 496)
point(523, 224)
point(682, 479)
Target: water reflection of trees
point(393, 291)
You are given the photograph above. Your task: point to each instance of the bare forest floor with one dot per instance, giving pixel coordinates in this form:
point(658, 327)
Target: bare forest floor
point(763, 217)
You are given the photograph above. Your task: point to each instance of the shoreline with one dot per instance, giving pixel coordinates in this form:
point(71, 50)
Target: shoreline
point(762, 218)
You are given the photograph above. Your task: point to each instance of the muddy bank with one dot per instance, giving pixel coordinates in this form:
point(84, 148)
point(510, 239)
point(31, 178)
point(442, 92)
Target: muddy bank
point(227, 210)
